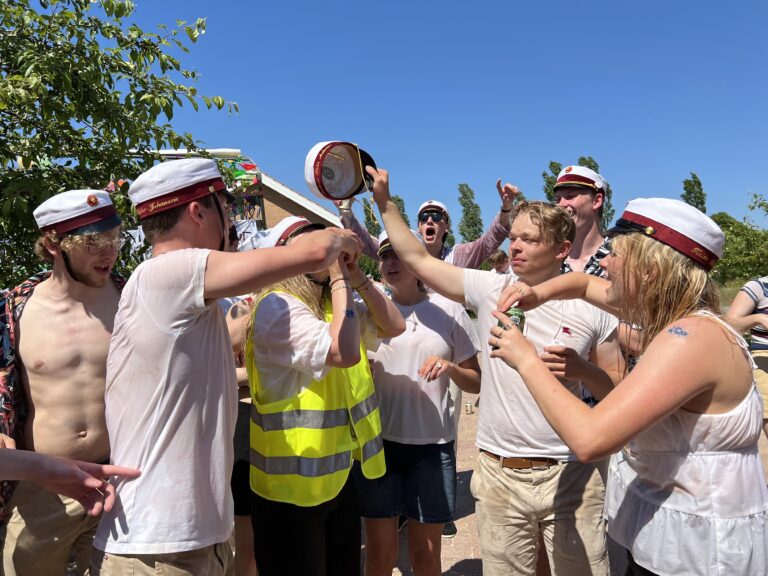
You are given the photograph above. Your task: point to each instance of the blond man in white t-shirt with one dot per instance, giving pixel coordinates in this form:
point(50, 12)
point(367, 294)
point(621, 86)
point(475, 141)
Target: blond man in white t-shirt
point(171, 395)
point(527, 481)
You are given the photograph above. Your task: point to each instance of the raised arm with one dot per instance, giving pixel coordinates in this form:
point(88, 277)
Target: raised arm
point(442, 277)
point(345, 327)
point(235, 273)
point(388, 319)
point(348, 220)
point(473, 254)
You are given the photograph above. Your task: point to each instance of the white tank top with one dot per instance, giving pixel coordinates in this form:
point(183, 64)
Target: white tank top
point(688, 495)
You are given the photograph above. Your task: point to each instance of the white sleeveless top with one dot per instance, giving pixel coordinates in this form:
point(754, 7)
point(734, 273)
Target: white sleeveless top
point(688, 495)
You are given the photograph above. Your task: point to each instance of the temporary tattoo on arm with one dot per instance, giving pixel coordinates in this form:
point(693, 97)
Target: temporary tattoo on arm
point(677, 331)
point(349, 313)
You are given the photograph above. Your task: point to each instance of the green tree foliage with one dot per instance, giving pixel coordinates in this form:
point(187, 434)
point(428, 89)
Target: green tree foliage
point(367, 264)
point(471, 224)
point(759, 202)
point(401, 206)
point(693, 193)
point(84, 98)
point(550, 180)
point(588, 162)
point(746, 250)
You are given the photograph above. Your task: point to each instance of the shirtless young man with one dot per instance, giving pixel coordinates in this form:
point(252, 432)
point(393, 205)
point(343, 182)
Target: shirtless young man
point(55, 380)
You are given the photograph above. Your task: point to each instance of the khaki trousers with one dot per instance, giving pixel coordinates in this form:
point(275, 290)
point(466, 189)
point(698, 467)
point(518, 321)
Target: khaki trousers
point(43, 531)
point(214, 560)
point(564, 503)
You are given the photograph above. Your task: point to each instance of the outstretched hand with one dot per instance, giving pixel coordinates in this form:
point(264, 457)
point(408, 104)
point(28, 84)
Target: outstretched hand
point(83, 481)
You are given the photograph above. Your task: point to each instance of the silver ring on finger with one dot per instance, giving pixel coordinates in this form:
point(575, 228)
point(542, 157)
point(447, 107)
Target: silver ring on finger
point(438, 365)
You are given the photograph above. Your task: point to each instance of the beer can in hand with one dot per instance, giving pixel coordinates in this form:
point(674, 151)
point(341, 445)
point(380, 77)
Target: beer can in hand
point(516, 316)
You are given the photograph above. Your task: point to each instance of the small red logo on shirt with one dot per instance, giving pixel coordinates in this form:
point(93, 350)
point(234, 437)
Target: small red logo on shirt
point(567, 330)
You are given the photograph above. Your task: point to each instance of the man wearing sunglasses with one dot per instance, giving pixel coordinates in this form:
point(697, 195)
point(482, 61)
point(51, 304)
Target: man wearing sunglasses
point(52, 375)
point(434, 224)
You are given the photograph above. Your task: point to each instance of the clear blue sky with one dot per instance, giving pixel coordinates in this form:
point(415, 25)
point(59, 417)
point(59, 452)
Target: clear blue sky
point(446, 92)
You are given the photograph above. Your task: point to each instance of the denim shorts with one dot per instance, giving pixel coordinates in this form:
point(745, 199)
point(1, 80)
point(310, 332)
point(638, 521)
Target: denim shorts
point(420, 482)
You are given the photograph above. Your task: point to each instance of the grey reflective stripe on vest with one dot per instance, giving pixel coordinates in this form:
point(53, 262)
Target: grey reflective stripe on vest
point(372, 447)
point(291, 419)
point(301, 465)
point(363, 408)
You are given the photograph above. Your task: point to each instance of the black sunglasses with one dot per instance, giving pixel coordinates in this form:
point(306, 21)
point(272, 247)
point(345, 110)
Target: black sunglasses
point(434, 214)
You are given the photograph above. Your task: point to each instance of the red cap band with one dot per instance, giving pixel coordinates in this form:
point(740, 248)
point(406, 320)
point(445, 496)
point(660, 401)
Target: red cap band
point(318, 168)
point(674, 239)
point(103, 213)
point(180, 197)
point(291, 229)
point(576, 180)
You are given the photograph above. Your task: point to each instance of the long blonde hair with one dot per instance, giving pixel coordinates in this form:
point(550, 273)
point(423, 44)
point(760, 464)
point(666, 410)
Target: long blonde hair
point(666, 285)
point(299, 286)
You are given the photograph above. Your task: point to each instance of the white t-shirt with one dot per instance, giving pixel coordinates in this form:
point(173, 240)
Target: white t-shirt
point(171, 405)
point(290, 344)
point(414, 411)
point(510, 422)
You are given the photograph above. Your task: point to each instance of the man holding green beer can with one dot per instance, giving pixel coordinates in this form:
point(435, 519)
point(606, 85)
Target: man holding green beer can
point(526, 481)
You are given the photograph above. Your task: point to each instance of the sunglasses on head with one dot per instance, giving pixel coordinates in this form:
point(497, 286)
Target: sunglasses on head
point(436, 216)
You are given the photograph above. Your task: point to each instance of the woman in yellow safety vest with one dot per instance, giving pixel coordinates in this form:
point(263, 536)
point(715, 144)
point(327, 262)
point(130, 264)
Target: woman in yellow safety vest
point(314, 412)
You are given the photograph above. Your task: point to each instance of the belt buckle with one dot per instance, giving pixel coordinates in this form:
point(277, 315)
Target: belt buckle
point(545, 466)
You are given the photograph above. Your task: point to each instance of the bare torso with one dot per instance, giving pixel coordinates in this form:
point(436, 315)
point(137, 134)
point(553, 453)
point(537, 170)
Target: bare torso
point(63, 345)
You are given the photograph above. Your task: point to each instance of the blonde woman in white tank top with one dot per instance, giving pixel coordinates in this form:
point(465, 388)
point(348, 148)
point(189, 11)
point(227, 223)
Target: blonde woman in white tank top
point(686, 490)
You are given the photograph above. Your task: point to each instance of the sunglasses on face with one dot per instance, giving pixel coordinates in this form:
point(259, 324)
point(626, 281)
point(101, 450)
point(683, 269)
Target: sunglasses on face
point(434, 214)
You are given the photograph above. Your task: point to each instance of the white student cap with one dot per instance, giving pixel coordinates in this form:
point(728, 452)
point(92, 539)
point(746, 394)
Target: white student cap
point(434, 205)
point(279, 234)
point(175, 183)
point(336, 170)
point(385, 244)
point(77, 212)
point(580, 176)
point(676, 224)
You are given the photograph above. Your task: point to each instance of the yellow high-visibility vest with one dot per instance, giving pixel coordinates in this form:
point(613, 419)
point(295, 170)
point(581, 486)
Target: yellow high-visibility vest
point(302, 447)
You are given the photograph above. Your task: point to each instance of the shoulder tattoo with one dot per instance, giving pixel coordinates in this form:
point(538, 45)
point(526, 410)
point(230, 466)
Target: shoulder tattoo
point(677, 331)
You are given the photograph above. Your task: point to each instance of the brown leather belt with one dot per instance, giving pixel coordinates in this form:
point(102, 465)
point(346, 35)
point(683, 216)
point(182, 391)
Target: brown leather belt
point(522, 463)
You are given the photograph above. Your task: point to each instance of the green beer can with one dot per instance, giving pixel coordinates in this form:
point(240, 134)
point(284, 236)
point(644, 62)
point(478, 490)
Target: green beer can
point(516, 316)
